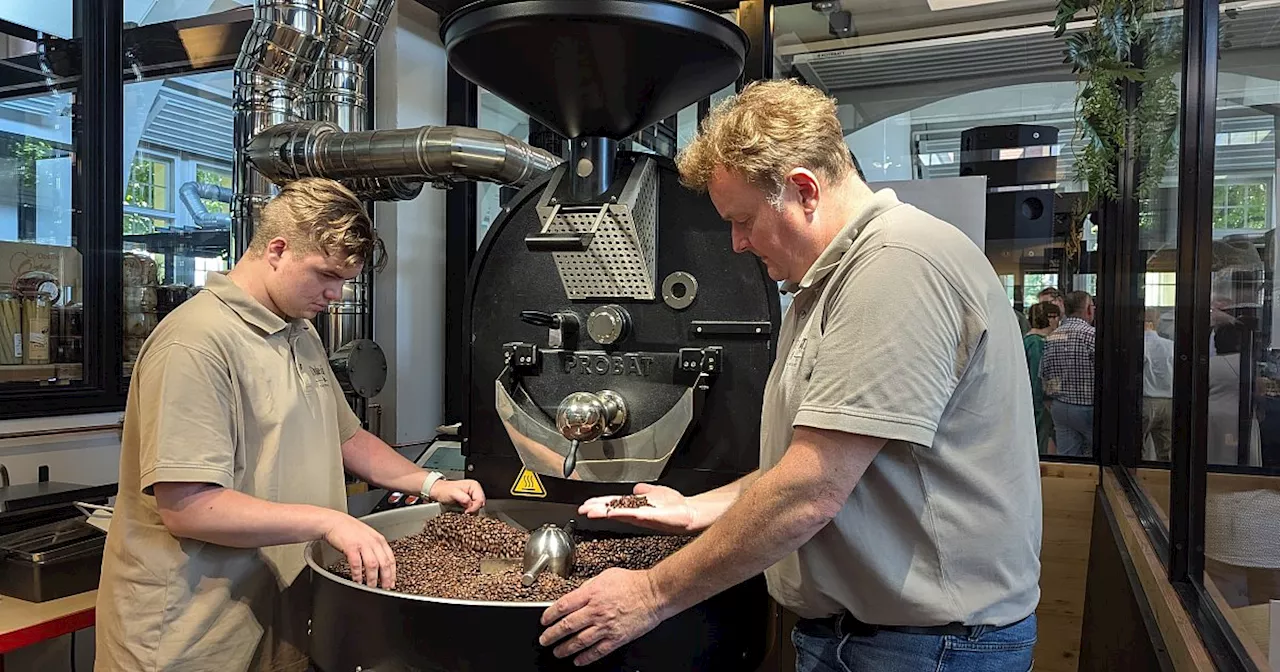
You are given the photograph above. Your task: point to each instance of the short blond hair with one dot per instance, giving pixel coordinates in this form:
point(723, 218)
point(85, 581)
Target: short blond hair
point(764, 132)
point(319, 215)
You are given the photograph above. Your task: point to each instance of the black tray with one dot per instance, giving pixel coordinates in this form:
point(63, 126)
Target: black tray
point(51, 561)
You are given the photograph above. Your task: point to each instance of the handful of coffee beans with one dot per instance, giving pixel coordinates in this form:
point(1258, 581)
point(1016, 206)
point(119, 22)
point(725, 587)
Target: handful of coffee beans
point(629, 502)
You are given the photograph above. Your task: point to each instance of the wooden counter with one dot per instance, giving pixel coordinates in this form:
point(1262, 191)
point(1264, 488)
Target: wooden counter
point(25, 623)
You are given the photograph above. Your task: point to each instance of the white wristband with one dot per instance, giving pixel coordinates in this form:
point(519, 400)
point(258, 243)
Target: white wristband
point(426, 485)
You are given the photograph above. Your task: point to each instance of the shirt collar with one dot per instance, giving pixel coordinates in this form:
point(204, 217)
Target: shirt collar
point(247, 307)
point(880, 202)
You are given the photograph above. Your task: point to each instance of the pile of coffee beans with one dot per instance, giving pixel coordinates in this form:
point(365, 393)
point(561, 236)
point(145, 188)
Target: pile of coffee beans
point(629, 502)
point(444, 560)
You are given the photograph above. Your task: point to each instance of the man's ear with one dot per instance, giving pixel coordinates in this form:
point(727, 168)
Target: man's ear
point(807, 188)
point(275, 251)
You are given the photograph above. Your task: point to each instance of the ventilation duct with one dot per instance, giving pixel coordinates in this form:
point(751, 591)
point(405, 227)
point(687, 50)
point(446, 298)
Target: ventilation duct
point(192, 193)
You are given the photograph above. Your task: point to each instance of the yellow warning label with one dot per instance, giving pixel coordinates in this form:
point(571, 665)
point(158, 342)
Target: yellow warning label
point(528, 485)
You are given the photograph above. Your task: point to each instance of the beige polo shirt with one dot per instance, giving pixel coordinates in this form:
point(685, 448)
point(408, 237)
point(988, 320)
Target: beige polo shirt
point(223, 392)
point(901, 330)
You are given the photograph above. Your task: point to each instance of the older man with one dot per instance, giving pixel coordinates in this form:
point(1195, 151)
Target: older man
point(897, 505)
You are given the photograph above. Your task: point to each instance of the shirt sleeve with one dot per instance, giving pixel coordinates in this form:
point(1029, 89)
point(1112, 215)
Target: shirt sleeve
point(348, 421)
point(185, 411)
point(893, 345)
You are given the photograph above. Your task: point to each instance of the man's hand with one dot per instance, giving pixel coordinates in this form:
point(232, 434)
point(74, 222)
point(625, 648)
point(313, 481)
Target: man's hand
point(669, 512)
point(372, 562)
point(607, 612)
point(466, 493)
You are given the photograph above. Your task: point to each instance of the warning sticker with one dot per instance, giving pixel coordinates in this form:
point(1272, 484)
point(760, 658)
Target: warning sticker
point(528, 485)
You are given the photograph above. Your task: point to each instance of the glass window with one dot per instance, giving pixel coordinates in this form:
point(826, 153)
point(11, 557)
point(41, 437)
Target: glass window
point(496, 114)
point(1242, 507)
point(41, 290)
point(971, 105)
point(178, 144)
point(147, 12)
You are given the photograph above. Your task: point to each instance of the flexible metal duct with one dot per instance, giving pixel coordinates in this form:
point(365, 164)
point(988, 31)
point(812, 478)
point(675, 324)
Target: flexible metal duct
point(192, 192)
point(439, 154)
point(337, 90)
point(278, 56)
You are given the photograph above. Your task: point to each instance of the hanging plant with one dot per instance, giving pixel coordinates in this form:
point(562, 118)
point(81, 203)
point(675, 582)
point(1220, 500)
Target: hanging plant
point(1102, 58)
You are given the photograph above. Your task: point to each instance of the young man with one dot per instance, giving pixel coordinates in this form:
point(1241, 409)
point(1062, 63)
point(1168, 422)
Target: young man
point(897, 505)
point(236, 436)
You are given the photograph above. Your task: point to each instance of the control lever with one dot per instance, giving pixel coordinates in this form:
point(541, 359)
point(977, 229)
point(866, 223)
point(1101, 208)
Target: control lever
point(560, 325)
point(586, 417)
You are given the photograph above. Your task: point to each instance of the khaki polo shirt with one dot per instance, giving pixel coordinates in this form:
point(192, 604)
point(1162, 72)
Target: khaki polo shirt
point(224, 392)
point(902, 331)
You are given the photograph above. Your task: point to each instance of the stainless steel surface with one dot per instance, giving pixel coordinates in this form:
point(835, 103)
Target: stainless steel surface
point(193, 192)
point(640, 456)
point(361, 367)
point(607, 324)
point(679, 289)
point(439, 154)
point(551, 549)
point(580, 417)
point(621, 260)
point(277, 58)
point(55, 541)
point(615, 411)
point(343, 322)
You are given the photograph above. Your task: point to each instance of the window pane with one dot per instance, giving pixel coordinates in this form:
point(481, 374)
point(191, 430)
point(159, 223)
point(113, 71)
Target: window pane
point(1242, 509)
point(987, 120)
point(177, 135)
point(146, 12)
point(498, 115)
point(41, 291)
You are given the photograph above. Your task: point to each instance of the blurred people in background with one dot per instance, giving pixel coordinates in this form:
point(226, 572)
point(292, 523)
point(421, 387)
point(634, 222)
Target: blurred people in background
point(1044, 319)
point(1157, 390)
point(1066, 372)
point(1054, 296)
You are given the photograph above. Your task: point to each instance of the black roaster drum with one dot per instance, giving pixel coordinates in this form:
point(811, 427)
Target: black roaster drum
point(357, 627)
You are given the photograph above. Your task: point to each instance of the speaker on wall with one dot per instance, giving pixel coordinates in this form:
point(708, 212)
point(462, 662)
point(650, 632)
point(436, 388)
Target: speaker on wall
point(1021, 215)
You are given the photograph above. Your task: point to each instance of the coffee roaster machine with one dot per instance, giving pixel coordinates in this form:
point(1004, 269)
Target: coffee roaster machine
point(615, 337)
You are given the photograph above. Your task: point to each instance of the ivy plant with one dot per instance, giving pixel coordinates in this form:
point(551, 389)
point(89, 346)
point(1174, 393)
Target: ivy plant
point(1104, 58)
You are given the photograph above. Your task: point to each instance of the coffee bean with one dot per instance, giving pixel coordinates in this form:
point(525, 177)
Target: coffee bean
point(628, 502)
point(444, 560)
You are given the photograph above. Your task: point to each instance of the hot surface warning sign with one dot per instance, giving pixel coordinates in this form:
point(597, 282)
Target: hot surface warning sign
point(528, 485)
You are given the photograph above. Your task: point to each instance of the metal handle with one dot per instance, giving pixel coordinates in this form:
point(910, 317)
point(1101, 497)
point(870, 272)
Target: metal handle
point(532, 573)
point(571, 460)
point(559, 242)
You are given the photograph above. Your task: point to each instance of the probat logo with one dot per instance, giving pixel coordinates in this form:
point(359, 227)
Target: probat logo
point(600, 364)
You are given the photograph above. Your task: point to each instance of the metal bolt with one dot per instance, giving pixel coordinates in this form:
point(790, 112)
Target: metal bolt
point(699, 330)
point(757, 330)
point(471, 467)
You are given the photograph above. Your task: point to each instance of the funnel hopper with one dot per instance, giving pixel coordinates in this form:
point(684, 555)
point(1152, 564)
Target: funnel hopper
point(595, 68)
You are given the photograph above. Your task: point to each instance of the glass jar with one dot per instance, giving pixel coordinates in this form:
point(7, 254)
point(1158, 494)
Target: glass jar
point(11, 331)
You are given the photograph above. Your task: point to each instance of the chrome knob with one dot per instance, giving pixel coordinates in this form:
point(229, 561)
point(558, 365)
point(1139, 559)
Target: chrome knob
point(581, 417)
point(607, 325)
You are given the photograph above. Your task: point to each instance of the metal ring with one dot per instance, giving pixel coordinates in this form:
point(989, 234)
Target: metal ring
point(690, 290)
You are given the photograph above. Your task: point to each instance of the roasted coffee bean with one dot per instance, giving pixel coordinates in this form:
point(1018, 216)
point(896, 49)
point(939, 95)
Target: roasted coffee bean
point(629, 502)
point(444, 560)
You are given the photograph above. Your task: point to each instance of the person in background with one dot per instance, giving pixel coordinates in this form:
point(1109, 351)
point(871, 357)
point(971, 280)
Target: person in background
point(1066, 372)
point(1157, 391)
point(1044, 319)
point(236, 437)
point(1054, 296)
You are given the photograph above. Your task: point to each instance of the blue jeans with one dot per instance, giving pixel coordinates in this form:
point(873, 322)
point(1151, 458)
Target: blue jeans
point(1073, 428)
point(820, 647)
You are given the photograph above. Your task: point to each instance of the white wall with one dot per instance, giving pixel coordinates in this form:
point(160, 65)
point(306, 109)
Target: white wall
point(410, 293)
point(88, 458)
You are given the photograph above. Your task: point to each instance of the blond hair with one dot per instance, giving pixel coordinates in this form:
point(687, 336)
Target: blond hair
point(765, 131)
point(319, 215)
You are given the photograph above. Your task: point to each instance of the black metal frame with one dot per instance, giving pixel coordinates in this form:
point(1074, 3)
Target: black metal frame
point(98, 61)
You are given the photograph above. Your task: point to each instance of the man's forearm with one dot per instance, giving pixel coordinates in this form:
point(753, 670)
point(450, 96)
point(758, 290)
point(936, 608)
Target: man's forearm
point(771, 512)
point(709, 506)
point(368, 457)
point(227, 517)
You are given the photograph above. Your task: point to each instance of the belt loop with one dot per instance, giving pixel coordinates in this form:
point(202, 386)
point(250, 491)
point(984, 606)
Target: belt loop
point(840, 624)
point(977, 631)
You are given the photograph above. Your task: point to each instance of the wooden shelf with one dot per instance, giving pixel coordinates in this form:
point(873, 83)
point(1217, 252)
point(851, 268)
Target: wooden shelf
point(50, 374)
point(24, 623)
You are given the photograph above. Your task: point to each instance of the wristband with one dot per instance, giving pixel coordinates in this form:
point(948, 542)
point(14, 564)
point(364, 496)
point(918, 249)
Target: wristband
point(426, 485)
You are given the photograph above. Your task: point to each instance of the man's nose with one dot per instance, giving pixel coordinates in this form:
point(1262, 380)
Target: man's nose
point(740, 243)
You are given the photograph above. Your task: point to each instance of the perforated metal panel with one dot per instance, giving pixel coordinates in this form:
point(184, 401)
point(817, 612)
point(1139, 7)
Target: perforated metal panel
point(620, 261)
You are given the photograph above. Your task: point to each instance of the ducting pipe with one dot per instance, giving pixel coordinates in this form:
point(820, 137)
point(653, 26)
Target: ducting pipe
point(438, 154)
point(276, 60)
point(337, 89)
point(192, 193)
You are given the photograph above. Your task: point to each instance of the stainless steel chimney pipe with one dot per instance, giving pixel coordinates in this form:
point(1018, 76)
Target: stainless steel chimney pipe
point(438, 154)
point(277, 58)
